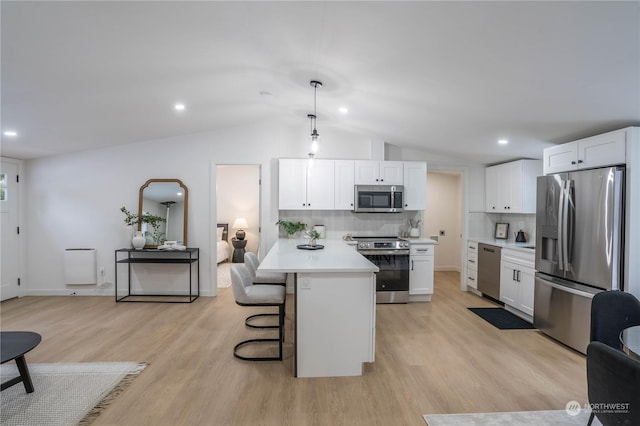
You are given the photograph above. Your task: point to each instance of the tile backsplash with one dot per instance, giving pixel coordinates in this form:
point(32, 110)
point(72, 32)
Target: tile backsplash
point(483, 225)
point(338, 223)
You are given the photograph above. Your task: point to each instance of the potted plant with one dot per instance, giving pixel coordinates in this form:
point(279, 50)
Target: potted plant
point(313, 237)
point(131, 219)
point(291, 228)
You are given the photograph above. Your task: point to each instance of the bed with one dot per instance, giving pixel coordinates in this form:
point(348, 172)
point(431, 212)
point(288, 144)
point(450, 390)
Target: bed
point(222, 243)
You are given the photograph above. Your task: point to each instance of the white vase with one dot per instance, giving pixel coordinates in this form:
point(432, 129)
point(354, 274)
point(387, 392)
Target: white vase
point(414, 232)
point(138, 240)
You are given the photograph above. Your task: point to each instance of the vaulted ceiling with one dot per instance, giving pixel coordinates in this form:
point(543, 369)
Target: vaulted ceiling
point(446, 77)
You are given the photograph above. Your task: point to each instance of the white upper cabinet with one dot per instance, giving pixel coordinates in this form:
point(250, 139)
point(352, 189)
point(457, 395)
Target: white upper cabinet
point(344, 184)
point(371, 172)
point(415, 185)
point(511, 187)
point(597, 151)
point(305, 187)
point(329, 184)
point(292, 184)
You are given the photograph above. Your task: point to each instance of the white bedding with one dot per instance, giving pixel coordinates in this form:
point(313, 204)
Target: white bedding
point(224, 251)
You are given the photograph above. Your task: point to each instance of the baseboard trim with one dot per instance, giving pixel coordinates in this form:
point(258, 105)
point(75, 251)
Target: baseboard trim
point(447, 269)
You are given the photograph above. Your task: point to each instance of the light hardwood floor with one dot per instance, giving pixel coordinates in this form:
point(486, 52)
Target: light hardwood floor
point(433, 357)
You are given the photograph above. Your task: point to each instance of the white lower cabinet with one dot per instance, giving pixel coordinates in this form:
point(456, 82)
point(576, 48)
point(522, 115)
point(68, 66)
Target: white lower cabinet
point(472, 264)
point(421, 272)
point(517, 280)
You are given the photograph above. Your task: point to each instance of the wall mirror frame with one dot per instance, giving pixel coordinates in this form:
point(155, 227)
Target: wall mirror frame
point(167, 198)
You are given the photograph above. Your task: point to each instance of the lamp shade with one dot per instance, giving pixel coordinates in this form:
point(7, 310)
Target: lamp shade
point(240, 223)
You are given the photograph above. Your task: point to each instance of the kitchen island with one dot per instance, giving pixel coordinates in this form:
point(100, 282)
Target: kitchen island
point(334, 306)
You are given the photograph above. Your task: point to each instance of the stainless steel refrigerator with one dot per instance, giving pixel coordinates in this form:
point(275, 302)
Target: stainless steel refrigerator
point(579, 249)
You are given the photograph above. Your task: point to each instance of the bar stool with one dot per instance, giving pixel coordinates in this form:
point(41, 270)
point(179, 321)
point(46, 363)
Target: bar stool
point(260, 277)
point(247, 294)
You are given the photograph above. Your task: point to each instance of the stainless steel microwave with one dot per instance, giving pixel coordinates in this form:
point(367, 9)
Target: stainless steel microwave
point(379, 198)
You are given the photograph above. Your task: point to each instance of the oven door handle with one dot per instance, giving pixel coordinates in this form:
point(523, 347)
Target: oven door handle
point(384, 252)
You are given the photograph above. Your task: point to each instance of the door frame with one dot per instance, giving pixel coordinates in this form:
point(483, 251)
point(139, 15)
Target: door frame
point(464, 170)
point(22, 253)
point(213, 217)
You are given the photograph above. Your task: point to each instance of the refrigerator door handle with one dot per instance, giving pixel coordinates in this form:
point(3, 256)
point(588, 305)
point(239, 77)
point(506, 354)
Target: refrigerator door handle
point(569, 225)
point(565, 225)
point(560, 227)
point(569, 289)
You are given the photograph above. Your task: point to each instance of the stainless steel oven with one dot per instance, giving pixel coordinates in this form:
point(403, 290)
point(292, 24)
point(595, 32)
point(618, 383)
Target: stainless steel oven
point(391, 255)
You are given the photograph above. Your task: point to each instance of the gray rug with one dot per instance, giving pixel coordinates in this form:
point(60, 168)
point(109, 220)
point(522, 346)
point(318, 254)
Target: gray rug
point(516, 418)
point(65, 394)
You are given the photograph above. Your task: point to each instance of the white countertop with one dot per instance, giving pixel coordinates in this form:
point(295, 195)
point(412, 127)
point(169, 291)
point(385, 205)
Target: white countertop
point(336, 256)
point(526, 247)
point(420, 240)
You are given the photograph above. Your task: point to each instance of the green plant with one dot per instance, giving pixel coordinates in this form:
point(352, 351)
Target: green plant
point(153, 220)
point(291, 227)
point(313, 234)
point(129, 218)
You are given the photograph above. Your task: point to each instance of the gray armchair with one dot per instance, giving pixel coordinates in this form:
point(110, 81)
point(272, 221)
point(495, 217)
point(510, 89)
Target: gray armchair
point(612, 312)
point(613, 380)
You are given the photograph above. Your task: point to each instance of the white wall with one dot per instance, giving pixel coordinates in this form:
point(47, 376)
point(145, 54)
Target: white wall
point(238, 195)
point(74, 200)
point(444, 201)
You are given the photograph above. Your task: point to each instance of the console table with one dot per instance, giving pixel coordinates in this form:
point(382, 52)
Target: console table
point(189, 257)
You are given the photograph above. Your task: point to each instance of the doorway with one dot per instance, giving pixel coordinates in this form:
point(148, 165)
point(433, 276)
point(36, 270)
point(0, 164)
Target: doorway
point(237, 203)
point(9, 219)
point(444, 218)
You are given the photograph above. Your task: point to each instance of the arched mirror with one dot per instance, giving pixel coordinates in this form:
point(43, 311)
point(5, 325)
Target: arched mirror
point(163, 207)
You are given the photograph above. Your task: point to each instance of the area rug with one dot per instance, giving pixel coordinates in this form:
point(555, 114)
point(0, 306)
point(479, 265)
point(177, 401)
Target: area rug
point(224, 274)
point(501, 318)
point(65, 394)
point(517, 418)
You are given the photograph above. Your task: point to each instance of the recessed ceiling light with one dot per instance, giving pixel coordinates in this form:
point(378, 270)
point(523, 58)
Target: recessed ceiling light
point(503, 141)
point(10, 133)
point(343, 109)
point(179, 107)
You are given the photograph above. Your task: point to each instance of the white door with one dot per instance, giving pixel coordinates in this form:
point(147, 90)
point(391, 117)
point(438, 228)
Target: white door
point(491, 189)
point(344, 193)
point(292, 184)
point(391, 173)
point(367, 172)
point(320, 185)
point(10, 251)
point(415, 185)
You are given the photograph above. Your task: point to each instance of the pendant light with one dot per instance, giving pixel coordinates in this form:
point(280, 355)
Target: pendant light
point(312, 118)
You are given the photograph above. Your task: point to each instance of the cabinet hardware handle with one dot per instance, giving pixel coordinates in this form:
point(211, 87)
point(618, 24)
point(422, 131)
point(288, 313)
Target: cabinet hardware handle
point(472, 279)
point(580, 161)
point(377, 180)
point(472, 261)
point(513, 276)
point(518, 276)
point(573, 162)
point(412, 265)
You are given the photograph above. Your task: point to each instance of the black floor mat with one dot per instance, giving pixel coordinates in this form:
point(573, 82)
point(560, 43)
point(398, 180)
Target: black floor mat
point(501, 318)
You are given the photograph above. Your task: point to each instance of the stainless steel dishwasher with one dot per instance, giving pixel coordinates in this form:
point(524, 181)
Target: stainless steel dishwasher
point(489, 270)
